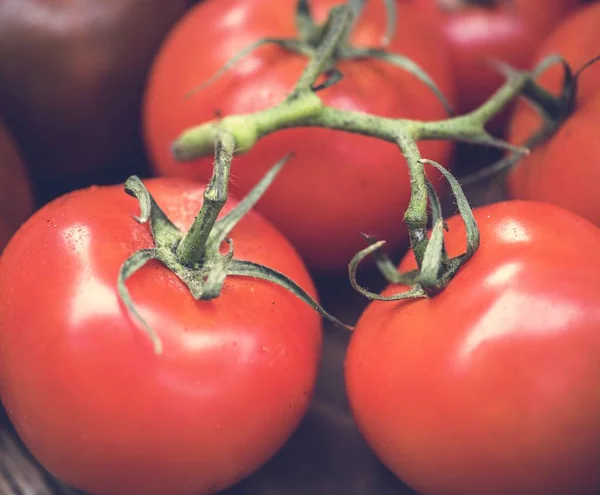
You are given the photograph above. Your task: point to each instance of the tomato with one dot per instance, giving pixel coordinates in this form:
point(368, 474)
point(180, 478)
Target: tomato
point(565, 170)
point(73, 74)
point(16, 202)
point(493, 386)
point(80, 379)
point(337, 184)
point(510, 31)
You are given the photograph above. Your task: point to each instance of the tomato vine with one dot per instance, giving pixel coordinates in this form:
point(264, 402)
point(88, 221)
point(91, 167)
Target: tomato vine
point(304, 108)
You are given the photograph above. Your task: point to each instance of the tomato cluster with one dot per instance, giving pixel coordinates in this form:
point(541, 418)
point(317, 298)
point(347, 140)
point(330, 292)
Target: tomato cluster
point(370, 191)
point(487, 385)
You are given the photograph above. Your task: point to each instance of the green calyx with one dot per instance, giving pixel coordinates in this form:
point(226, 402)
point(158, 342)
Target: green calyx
point(195, 256)
point(436, 268)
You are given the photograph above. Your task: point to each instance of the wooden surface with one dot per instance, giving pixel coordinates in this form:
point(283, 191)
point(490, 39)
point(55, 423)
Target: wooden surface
point(326, 455)
point(20, 475)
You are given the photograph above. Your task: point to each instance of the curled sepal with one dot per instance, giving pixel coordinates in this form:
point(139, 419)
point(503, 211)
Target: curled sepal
point(464, 208)
point(250, 269)
point(552, 109)
point(541, 100)
point(556, 108)
point(292, 45)
point(225, 225)
point(436, 270)
point(436, 212)
point(434, 202)
point(414, 293)
point(433, 258)
point(164, 233)
point(403, 63)
point(386, 266)
point(131, 265)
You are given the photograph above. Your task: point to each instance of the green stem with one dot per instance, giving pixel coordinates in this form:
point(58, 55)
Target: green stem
point(473, 123)
point(246, 128)
point(338, 24)
point(416, 213)
point(191, 248)
point(307, 110)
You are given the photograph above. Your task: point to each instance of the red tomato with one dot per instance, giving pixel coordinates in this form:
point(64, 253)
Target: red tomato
point(16, 202)
point(338, 184)
point(565, 170)
point(510, 31)
point(82, 383)
point(493, 386)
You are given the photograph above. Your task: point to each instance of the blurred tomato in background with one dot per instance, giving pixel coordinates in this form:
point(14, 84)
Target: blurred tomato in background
point(72, 78)
point(480, 31)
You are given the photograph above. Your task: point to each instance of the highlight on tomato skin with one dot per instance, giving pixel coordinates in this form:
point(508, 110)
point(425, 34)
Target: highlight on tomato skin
point(338, 184)
point(82, 384)
point(126, 379)
point(563, 170)
point(491, 387)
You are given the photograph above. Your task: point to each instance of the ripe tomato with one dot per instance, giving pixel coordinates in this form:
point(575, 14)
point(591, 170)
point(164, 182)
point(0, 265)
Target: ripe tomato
point(493, 386)
point(82, 383)
point(565, 170)
point(510, 31)
point(337, 184)
point(16, 202)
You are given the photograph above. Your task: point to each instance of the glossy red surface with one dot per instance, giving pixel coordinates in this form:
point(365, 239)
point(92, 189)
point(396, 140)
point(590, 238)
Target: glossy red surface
point(79, 378)
point(493, 386)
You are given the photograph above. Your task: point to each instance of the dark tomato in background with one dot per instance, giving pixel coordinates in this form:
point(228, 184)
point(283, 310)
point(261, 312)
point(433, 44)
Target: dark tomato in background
point(73, 74)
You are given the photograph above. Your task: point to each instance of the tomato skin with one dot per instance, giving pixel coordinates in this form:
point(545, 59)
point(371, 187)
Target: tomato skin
point(82, 384)
point(16, 201)
point(493, 386)
point(71, 93)
point(510, 32)
point(564, 170)
point(337, 184)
